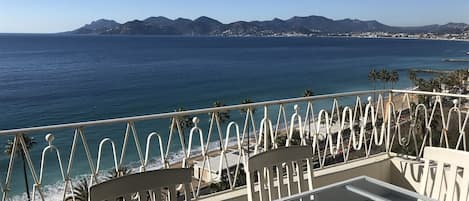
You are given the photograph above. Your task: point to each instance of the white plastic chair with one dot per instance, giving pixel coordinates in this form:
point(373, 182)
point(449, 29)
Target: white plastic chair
point(159, 182)
point(268, 168)
point(445, 174)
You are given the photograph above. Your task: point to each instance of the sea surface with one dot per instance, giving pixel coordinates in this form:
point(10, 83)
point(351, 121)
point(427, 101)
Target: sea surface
point(54, 79)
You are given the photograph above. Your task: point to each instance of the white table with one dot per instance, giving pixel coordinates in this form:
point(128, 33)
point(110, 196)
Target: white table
point(358, 189)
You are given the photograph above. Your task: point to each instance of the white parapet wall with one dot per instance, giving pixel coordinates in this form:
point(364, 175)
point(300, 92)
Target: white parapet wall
point(378, 167)
point(407, 172)
point(403, 171)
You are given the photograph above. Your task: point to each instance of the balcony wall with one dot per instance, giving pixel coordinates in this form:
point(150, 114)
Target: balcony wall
point(399, 170)
point(407, 172)
point(378, 167)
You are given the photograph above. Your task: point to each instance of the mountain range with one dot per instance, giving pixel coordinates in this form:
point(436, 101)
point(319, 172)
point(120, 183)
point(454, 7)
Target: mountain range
point(205, 26)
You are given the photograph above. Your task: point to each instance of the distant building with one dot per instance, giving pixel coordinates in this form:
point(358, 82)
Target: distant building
point(210, 172)
point(444, 88)
point(466, 82)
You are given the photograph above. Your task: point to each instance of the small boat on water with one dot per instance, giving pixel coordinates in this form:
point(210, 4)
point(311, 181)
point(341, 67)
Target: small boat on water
point(456, 60)
point(467, 53)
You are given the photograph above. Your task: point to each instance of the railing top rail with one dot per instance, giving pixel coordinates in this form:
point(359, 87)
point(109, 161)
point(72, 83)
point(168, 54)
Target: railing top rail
point(183, 113)
point(430, 93)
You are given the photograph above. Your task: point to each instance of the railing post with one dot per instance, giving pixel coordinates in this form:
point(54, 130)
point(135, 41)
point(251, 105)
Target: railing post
point(266, 129)
point(389, 116)
point(249, 135)
point(11, 163)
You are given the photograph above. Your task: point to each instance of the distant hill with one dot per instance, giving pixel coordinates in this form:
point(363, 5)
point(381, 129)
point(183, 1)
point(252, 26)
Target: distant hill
point(208, 26)
point(97, 27)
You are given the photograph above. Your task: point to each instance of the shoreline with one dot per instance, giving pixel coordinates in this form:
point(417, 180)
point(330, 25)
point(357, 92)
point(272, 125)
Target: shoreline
point(232, 36)
point(399, 38)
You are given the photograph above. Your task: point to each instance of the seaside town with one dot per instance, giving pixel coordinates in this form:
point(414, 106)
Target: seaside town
point(431, 36)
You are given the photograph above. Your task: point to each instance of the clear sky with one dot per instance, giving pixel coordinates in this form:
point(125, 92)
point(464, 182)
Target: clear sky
point(43, 16)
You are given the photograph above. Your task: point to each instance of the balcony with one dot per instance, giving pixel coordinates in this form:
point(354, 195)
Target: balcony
point(380, 134)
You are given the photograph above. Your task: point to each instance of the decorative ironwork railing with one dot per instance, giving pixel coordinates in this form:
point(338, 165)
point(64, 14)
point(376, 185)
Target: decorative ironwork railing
point(346, 126)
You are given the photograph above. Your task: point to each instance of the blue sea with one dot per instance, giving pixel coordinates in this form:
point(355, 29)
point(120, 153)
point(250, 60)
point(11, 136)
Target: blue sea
point(54, 79)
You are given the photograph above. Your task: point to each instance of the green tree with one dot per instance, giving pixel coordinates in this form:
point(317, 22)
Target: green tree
point(308, 92)
point(224, 184)
point(281, 140)
point(393, 78)
point(247, 101)
point(29, 141)
point(420, 129)
point(373, 76)
point(121, 171)
point(223, 116)
point(245, 110)
point(384, 76)
point(80, 190)
point(428, 85)
point(413, 77)
point(442, 79)
point(460, 76)
point(185, 122)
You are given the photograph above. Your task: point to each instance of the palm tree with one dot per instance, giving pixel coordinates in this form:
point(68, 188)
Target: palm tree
point(442, 80)
point(384, 77)
point(393, 78)
point(373, 76)
point(420, 130)
point(245, 110)
point(185, 122)
point(308, 92)
point(224, 184)
point(247, 101)
point(121, 171)
point(80, 191)
point(413, 77)
point(9, 149)
point(223, 116)
point(460, 75)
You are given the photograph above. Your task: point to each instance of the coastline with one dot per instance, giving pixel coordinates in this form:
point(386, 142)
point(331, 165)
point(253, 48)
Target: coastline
point(397, 38)
point(234, 36)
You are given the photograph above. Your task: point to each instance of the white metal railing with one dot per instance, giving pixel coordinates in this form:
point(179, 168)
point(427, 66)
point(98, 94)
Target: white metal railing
point(340, 134)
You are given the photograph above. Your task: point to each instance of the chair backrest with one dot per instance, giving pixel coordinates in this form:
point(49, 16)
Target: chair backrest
point(444, 171)
point(157, 184)
point(267, 168)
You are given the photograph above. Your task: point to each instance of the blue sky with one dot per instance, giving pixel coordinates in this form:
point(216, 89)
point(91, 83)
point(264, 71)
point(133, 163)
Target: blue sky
point(42, 16)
